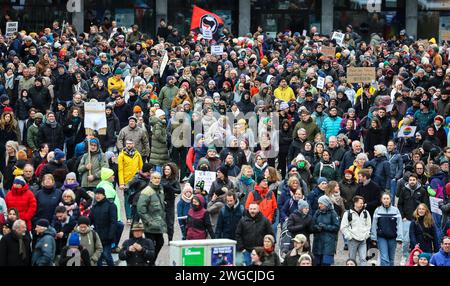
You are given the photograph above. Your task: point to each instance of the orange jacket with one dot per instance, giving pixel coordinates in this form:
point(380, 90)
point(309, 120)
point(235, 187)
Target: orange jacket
point(267, 204)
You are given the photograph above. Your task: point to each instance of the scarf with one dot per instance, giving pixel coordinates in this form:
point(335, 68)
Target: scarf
point(22, 249)
point(262, 167)
point(76, 120)
point(247, 181)
point(186, 198)
point(130, 152)
point(9, 81)
point(52, 124)
point(72, 186)
point(268, 250)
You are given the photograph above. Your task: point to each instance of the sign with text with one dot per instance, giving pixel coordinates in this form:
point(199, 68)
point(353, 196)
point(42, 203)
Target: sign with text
point(217, 50)
point(193, 256)
point(222, 256)
point(434, 205)
point(11, 28)
point(320, 82)
point(328, 51)
point(339, 37)
point(206, 177)
point(360, 74)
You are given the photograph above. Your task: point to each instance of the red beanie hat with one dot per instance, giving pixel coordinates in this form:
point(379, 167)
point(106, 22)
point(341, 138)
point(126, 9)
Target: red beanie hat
point(447, 189)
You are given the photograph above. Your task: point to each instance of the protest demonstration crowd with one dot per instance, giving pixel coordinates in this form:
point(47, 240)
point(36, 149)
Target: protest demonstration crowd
point(284, 144)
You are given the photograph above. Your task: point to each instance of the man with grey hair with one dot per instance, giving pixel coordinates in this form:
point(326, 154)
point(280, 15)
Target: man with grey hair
point(350, 156)
point(15, 247)
point(381, 169)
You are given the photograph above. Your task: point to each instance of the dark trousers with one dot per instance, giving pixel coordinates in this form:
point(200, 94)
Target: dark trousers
point(179, 157)
point(170, 217)
point(158, 241)
point(119, 230)
point(282, 163)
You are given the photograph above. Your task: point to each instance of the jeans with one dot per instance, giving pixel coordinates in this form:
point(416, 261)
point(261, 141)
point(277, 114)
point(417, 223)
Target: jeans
point(119, 230)
point(106, 255)
point(393, 190)
point(438, 221)
point(21, 127)
point(357, 247)
point(387, 251)
point(275, 224)
point(405, 247)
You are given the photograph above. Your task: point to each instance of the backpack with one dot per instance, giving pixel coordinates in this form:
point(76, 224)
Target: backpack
point(257, 197)
point(323, 165)
point(350, 217)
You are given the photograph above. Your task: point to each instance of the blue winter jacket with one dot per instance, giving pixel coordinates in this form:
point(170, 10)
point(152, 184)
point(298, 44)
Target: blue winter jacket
point(313, 198)
point(182, 212)
point(289, 207)
point(325, 226)
point(331, 127)
point(396, 164)
point(44, 252)
point(228, 220)
point(441, 258)
point(382, 172)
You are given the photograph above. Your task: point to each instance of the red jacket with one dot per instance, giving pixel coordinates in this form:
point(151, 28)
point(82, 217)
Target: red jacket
point(24, 201)
point(267, 204)
point(190, 159)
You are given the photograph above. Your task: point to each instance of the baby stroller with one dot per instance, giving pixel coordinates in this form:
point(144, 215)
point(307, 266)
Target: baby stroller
point(285, 241)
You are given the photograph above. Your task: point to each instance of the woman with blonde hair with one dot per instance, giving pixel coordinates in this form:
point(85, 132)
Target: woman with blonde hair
point(245, 183)
point(8, 163)
point(68, 200)
point(334, 193)
point(423, 231)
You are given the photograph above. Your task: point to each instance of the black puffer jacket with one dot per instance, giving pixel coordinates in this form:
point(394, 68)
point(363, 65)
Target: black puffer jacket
point(63, 87)
point(41, 98)
point(104, 218)
point(112, 130)
point(54, 137)
point(141, 258)
point(300, 224)
point(250, 231)
point(23, 104)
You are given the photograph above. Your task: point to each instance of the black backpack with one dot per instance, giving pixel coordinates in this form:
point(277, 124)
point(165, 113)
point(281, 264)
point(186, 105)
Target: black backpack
point(350, 217)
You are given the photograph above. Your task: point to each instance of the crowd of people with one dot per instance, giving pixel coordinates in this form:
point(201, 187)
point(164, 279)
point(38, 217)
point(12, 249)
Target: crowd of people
point(296, 167)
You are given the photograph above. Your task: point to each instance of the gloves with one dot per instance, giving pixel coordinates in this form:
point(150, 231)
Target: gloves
point(431, 192)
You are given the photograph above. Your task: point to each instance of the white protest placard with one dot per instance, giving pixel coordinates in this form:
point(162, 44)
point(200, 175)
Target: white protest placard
point(94, 115)
point(339, 37)
point(434, 205)
point(389, 107)
point(407, 131)
point(217, 50)
point(304, 33)
point(11, 28)
point(320, 82)
point(72, 64)
point(207, 34)
point(164, 62)
point(207, 177)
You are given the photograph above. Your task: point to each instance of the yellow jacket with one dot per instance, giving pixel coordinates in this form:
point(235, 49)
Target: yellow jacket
point(128, 167)
point(113, 83)
point(285, 94)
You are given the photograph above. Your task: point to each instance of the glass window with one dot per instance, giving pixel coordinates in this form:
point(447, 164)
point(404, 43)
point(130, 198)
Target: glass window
point(425, 5)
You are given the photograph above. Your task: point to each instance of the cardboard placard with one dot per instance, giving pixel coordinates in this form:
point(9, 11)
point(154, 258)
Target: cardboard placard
point(360, 74)
point(444, 35)
point(217, 50)
point(425, 43)
point(11, 28)
point(328, 51)
point(207, 177)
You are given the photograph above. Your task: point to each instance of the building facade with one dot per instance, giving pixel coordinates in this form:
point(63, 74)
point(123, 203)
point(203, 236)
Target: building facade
point(420, 18)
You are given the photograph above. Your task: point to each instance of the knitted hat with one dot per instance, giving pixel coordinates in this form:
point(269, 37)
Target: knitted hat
point(159, 113)
point(133, 118)
point(19, 180)
point(71, 175)
point(43, 222)
point(348, 171)
point(270, 237)
point(447, 189)
point(84, 220)
point(425, 255)
point(79, 150)
point(74, 239)
point(223, 170)
point(326, 201)
point(99, 191)
point(95, 141)
point(439, 118)
point(106, 173)
point(118, 71)
point(284, 106)
point(59, 154)
point(322, 180)
point(137, 109)
point(302, 204)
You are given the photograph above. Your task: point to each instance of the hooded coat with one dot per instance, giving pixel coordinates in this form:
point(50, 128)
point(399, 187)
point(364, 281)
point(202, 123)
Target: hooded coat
point(45, 249)
point(98, 161)
point(266, 200)
point(159, 154)
point(326, 227)
point(151, 209)
point(24, 201)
